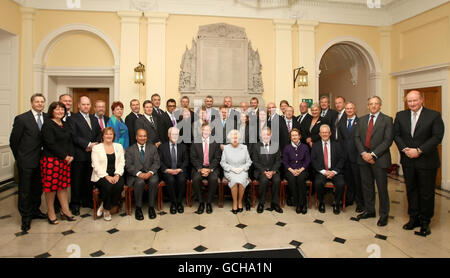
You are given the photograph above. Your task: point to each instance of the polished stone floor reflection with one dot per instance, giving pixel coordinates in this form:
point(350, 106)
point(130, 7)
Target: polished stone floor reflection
point(315, 234)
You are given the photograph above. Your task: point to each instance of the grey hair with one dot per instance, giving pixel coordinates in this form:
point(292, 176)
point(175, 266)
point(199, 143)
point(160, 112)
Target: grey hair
point(232, 132)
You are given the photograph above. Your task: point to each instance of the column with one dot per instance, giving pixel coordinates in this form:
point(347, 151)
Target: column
point(283, 60)
point(156, 55)
point(26, 61)
point(129, 58)
point(307, 59)
point(389, 99)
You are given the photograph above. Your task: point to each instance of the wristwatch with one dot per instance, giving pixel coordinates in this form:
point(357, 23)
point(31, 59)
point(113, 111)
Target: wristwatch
point(419, 151)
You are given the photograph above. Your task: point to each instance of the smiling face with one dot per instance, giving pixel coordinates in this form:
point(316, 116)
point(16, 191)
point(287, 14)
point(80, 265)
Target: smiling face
point(141, 136)
point(303, 107)
point(325, 132)
point(295, 137)
point(350, 110)
point(339, 104)
point(99, 108)
point(38, 104)
point(315, 111)
point(148, 108)
point(374, 105)
point(67, 100)
point(135, 106)
point(156, 100)
point(171, 106)
point(227, 102)
point(108, 137)
point(58, 113)
point(174, 134)
point(118, 112)
point(209, 102)
point(324, 103)
point(289, 112)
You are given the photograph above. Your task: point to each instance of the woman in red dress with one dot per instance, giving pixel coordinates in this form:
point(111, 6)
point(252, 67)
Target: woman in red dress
point(55, 162)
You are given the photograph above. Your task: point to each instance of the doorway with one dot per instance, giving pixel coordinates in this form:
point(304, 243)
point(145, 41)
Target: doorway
point(432, 100)
point(94, 94)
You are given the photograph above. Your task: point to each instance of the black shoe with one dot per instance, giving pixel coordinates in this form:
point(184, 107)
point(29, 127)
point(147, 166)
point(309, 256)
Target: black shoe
point(234, 211)
point(383, 221)
point(247, 206)
point(240, 210)
point(298, 210)
point(180, 208)
point(260, 208)
point(424, 230)
point(173, 209)
point(277, 208)
point(66, 217)
point(53, 222)
point(39, 215)
point(201, 208)
point(359, 209)
point(413, 223)
point(76, 211)
point(336, 209)
point(151, 213)
point(138, 214)
point(304, 209)
point(26, 225)
point(366, 215)
point(322, 208)
point(289, 202)
point(208, 208)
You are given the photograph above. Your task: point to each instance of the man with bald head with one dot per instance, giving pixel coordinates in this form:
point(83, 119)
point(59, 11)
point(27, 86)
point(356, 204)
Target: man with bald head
point(304, 120)
point(417, 133)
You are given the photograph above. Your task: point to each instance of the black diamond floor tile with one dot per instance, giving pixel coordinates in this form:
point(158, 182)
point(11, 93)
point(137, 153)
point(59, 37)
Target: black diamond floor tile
point(249, 246)
point(199, 228)
point(150, 251)
point(157, 229)
point(99, 253)
point(200, 248)
point(68, 232)
point(340, 240)
point(382, 237)
point(22, 233)
point(242, 226)
point(5, 216)
point(85, 215)
point(281, 224)
point(295, 243)
point(112, 231)
point(355, 219)
point(43, 256)
point(318, 221)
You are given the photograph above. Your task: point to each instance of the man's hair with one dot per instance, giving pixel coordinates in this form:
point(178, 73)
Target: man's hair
point(284, 101)
point(155, 95)
point(343, 98)
point(377, 97)
point(209, 97)
point(63, 95)
point(147, 102)
point(322, 97)
point(185, 97)
point(100, 100)
point(170, 100)
point(133, 100)
point(37, 95)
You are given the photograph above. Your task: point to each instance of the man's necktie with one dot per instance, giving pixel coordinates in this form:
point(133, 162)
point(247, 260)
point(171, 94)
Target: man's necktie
point(322, 114)
point(152, 122)
point(289, 126)
point(173, 121)
point(100, 121)
point(88, 120)
point(39, 121)
point(142, 154)
point(369, 132)
point(174, 157)
point(325, 156)
point(206, 154)
point(413, 123)
point(266, 146)
point(349, 126)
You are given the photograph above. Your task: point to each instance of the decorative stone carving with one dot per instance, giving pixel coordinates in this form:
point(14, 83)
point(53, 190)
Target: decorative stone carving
point(221, 30)
point(144, 5)
point(188, 71)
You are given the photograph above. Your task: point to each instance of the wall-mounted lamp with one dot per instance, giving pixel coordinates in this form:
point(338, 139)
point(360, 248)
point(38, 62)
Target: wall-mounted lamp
point(302, 76)
point(139, 74)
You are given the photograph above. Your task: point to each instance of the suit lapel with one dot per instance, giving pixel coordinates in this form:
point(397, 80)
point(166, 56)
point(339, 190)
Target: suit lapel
point(419, 120)
point(377, 124)
point(408, 122)
point(32, 118)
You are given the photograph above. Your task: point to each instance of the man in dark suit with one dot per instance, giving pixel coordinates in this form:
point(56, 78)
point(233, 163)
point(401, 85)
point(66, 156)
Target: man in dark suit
point(267, 162)
point(99, 113)
point(150, 122)
point(26, 145)
point(168, 119)
point(130, 119)
point(339, 104)
point(184, 103)
point(328, 114)
point(417, 132)
point(328, 161)
point(142, 164)
point(67, 100)
point(373, 138)
point(174, 164)
point(303, 119)
point(347, 130)
point(287, 123)
point(156, 101)
point(205, 159)
point(86, 133)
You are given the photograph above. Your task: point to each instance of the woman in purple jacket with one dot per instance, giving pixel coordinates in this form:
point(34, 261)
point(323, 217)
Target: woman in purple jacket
point(296, 160)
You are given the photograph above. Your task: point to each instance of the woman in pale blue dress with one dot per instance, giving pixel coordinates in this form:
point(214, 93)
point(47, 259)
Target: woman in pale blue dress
point(235, 163)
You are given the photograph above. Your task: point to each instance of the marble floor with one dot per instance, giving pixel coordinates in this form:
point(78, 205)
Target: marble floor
point(316, 235)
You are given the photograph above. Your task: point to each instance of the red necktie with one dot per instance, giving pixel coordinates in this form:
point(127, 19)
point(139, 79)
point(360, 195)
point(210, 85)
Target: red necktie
point(369, 132)
point(325, 156)
point(101, 123)
point(206, 154)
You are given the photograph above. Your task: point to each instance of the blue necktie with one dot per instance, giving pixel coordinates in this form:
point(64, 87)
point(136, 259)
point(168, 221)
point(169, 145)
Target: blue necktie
point(349, 126)
point(142, 154)
point(39, 122)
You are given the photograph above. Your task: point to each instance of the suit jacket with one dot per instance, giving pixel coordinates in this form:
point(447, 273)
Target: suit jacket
point(82, 135)
point(100, 161)
point(284, 132)
point(152, 133)
point(26, 140)
point(314, 132)
point(347, 141)
point(166, 158)
point(230, 124)
point(105, 119)
point(165, 123)
point(428, 135)
point(130, 121)
point(197, 155)
point(304, 128)
point(133, 162)
point(380, 141)
point(336, 125)
point(264, 161)
point(57, 140)
point(337, 157)
point(331, 116)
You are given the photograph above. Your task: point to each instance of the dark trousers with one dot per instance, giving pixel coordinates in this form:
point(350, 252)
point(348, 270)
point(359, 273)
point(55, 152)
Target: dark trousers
point(420, 184)
point(176, 187)
point(30, 191)
point(110, 193)
point(297, 187)
point(212, 185)
point(81, 188)
point(352, 178)
point(139, 188)
point(369, 175)
point(264, 183)
point(339, 184)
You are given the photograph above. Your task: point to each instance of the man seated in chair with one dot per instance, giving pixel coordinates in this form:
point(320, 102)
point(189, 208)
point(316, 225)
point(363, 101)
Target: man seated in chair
point(328, 161)
point(142, 164)
point(267, 161)
point(174, 162)
point(205, 159)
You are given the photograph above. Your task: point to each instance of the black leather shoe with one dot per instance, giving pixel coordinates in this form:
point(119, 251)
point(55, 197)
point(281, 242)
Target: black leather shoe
point(208, 208)
point(138, 214)
point(322, 208)
point(247, 206)
point(424, 230)
point(201, 208)
point(304, 209)
point(383, 221)
point(240, 209)
point(260, 208)
point(359, 209)
point(366, 215)
point(289, 202)
point(173, 209)
point(298, 210)
point(277, 208)
point(151, 213)
point(234, 211)
point(26, 225)
point(76, 211)
point(180, 208)
point(39, 215)
point(413, 223)
point(336, 209)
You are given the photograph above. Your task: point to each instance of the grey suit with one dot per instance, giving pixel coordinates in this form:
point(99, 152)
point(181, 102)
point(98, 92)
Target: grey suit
point(133, 165)
point(380, 142)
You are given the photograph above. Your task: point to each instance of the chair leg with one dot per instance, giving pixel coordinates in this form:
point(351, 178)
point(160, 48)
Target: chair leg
point(221, 195)
point(94, 205)
point(309, 199)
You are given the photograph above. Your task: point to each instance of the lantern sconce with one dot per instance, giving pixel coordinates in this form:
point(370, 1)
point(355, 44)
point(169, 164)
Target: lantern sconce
point(301, 75)
point(139, 74)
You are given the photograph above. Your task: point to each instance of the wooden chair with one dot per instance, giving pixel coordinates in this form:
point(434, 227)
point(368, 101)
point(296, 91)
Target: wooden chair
point(330, 185)
point(129, 196)
point(96, 201)
point(254, 191)
point(203, 187)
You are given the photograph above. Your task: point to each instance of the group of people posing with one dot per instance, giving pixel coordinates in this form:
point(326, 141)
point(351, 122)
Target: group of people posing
point(60, 149)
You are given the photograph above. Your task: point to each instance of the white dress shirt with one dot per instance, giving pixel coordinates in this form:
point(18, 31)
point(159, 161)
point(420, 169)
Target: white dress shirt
point(139, 148)
point(413, 124)
point(323, 171)
point(35, 114)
